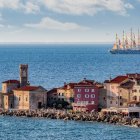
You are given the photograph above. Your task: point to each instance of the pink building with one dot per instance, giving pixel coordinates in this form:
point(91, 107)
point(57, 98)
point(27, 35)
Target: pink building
point(86, 97)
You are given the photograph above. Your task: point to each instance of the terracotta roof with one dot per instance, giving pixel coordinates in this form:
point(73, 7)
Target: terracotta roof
point(118, 79)
point(52, 90)
point(87, 81)
point(12, 81)
point(27, 88)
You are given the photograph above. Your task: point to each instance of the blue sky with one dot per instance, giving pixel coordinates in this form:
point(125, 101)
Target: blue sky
point(67, 20)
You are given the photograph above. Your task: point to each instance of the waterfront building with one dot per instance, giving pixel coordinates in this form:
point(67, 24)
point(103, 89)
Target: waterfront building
point(61, 94)
point(7, 100)
point(85, 97)
point(19, 95)
point(112, 88)
point(30, 97)
point(102, 96)
point(52, 97)
point(123, 89)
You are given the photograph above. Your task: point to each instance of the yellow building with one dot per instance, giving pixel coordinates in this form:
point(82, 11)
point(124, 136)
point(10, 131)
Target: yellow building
point(30, 97)
point(7, 100)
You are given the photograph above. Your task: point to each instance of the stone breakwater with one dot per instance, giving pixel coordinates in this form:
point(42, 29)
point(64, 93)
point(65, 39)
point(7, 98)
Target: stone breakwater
point(69, 115)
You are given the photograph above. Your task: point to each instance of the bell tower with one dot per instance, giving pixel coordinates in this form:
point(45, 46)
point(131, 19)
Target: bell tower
point(23, 75)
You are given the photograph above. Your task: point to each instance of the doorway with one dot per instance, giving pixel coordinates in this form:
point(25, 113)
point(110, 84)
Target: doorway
point(39, 105)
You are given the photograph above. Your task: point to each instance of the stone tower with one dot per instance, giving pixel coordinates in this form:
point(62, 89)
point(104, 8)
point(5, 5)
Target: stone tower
point(23, 75)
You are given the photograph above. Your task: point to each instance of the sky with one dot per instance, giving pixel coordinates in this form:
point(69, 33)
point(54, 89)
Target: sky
point(46, 21)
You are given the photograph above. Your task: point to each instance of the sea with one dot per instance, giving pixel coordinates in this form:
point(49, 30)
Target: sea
point(51, 65)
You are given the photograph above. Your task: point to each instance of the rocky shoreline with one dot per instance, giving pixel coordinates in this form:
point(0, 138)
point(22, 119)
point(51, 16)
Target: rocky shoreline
point(117, 119)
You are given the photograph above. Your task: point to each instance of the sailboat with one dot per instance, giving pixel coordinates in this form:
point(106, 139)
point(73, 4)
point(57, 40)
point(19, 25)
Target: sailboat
point(128, 45)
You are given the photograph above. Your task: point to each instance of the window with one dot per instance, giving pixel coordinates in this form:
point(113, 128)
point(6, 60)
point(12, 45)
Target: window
point(86, 102)
point(78, 95)
point(79, 90)
point(121, 104)
point(92, 90)
point(87, 96)
point(62, 94)
point(120, 97)
point(135, 98)
point(92, 95)
point(26, 99)
point(92, 102)
point(19, 98)
point(59, 94)
point(110, 102)
point(86, 90)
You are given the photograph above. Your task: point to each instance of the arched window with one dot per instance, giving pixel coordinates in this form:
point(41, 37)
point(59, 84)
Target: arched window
point(86, 95)
point(78, 95)
point(92, 95)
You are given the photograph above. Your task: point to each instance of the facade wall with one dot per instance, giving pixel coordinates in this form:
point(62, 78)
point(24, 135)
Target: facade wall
point(124, 97)
point(102, 98)
point(5, 102)
point(112, 94)
point(29, 99)
point(37, 100)
point(135, 95)
point(86, 98)
point(52, 97)
point(21, 100)
point(8, 101)
point(61, 94)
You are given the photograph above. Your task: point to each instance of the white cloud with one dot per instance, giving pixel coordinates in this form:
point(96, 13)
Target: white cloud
point(49, 23)
point(75, 7)
point(31, 6)
point(12, 4)
point(89, 7)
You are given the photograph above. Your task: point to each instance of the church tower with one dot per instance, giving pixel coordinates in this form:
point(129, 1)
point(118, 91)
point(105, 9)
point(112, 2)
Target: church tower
point(23, 75)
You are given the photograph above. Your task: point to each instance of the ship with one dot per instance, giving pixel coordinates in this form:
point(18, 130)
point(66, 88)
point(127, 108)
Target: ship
point(130, 44)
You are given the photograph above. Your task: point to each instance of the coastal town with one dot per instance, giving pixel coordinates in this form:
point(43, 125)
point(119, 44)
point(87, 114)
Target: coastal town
point(118, 95)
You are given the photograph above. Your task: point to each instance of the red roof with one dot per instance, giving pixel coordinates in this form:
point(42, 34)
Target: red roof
point(12, 81)
point(27, 88)
point(119, 79)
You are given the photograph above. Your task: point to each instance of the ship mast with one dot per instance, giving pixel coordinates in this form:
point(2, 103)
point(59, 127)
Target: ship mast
point(126, 42)
point(123, 40)
point(131, 39)
point(138, 38)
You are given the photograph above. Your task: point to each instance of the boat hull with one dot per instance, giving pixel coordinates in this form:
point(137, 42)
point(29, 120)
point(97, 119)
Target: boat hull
point(125, 51)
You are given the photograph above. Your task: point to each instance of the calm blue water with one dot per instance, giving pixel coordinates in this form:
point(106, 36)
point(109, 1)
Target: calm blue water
point(51, 66)
point(43, 129)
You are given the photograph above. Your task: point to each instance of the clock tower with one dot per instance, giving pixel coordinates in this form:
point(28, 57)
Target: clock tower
point(23, 75)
